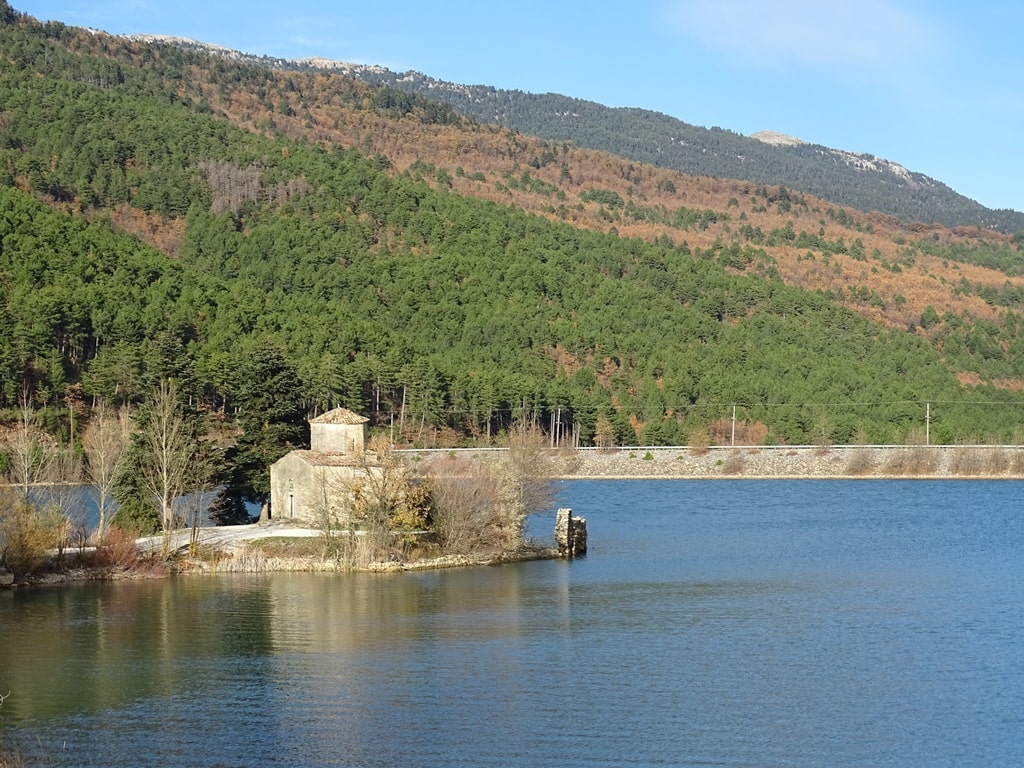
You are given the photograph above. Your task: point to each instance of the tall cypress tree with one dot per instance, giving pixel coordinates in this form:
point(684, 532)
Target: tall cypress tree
point(268, 394)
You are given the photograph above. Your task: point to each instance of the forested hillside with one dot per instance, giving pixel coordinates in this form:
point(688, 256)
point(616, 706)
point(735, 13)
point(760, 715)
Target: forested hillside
point(167, 213)
point(860, 181)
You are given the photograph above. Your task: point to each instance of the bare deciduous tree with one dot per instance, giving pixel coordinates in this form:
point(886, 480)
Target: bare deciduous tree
point(379, 491)
point(60, 494)
point(172, 457)
point(332, 512)
point(105, 441)
point(27, 454)
point(526, 478)
point(467, 506)
point(46, 476)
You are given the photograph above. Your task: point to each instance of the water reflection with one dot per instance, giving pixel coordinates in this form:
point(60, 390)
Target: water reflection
point(107, 645)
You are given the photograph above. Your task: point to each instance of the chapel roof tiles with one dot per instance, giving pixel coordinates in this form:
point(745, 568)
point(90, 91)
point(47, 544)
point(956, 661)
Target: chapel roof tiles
point(339, 416)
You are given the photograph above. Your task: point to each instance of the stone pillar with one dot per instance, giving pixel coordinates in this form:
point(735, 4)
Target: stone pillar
point(570, 533)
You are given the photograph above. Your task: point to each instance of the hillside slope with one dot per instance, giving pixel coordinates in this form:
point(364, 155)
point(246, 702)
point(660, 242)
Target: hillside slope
point(857, 180)
point(446, 276)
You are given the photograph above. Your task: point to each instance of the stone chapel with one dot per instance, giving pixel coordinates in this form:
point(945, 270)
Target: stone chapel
point(307, 485)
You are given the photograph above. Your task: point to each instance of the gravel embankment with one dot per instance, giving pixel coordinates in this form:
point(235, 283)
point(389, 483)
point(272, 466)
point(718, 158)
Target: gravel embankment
point(795, 462)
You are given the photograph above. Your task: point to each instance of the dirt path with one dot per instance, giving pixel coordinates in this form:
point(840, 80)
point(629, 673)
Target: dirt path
point(229, 538)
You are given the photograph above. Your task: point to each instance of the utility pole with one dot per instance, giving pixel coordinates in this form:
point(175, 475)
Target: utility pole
point(927, 423)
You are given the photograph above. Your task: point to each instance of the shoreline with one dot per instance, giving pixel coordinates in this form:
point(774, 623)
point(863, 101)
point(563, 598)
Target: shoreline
point(228, 548)
point(770, 478)
point(763, 463)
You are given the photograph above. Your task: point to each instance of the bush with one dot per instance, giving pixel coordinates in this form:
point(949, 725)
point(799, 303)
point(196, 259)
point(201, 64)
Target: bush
point(699, 441)
point(467, 509)
point(913, 460)
point(734, 464)
point(860, 462)
point(118, 550)
point(967, 461)
point(28, 534)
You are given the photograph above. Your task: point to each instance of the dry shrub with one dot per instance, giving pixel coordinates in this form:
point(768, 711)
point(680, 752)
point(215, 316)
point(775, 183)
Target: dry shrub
point(28, 534)
point(118, 550)
point(861, 461)
point(249, 560)
point(1017, 462)
point(10, 757)
point(360, 552)
point(734, 464)
point(913, 460)
point(966, 461)
point(343, 547)
point(468, 508)
point(699, 441)
point(530, 466)
point(416, 547)
point(523, 476)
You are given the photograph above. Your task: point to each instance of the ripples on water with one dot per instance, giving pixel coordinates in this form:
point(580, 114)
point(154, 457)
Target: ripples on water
point(733, 623)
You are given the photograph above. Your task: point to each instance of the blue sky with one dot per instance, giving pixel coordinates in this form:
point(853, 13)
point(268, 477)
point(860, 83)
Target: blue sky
point(935, 86)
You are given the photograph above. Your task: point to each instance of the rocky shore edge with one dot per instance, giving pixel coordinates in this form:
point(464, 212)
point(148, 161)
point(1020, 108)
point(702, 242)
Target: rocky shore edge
point(885, 462)
point(239, 559)
point(798, 462)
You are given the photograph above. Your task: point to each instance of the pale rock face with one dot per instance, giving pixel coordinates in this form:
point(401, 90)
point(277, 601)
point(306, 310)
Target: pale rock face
point(861, 161)
point(777, 139)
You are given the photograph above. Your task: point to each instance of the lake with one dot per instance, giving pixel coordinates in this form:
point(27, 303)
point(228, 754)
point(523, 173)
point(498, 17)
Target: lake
point(726, 623)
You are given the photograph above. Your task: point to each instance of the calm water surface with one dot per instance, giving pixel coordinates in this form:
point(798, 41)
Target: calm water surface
point(738, 623)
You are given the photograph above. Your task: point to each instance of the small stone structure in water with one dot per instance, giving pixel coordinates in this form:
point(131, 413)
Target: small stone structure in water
point(570, 533)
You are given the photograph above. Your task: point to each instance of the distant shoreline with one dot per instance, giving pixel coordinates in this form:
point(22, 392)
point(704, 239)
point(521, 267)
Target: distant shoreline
point(767, 463)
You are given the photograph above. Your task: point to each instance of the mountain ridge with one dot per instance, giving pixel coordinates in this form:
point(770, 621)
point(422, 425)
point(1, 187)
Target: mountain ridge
point(861, 180)
point(864, 181)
